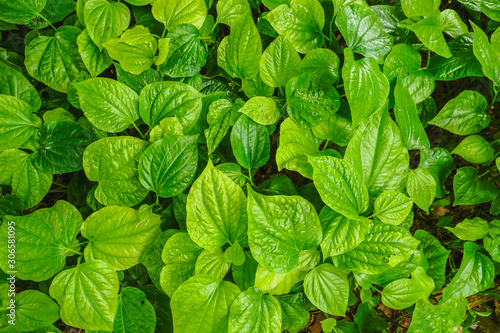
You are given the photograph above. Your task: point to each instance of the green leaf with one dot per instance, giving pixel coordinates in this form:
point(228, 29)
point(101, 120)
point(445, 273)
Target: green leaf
point(179, 255)
point(279, 63)
point(327, 288)
point(384, 247)
point(310, 100)
point(167, 127)
point(262, 110)
point(55, 61)
point(301, 23)
point(168, 166)
point(34, 310)
point(164, 99)
point(108, 104)
point(462, 63)
point(403, 59)
point(135, 49)
point(279, 227)
point(430, 33)
point(469, 189)
point(135, 312)
point(419, 7)
point(220, 114)
point(95, 60)
point(436, 255)
point(119, 235)
point(252, 311)
point(245, 275)
point(95, 285)
point(402, 293)
point(421, 187)
point(440, 164)
point(212, 262)
point(207, 297)
point(113, 162)
point(45, 239)
point(463, 115)
point(358, 77)
point(296, 143)
point(175, 12)
point(474, 149)
point(234, 254)
point(435, 319)
point(256, 87)
point(328, 324)
point(420, 85)
point(20, 11)
point(275, 283)
point(231, 11)
point(406, 114)
point(487, 54)
point(339, 186)
point(470, 230)
point(17, 122)
point(323, 63)
point(392, 207)
point(341, 234)
point(216, 210)
point(250, 143)
point(62, 144)
point(105, 20)
point(336, 128)
point(15, 84)
point(187, 54)
point(28, 182)
point(452, 23)
point(475, 274)
point(295, 317)
point(363, 32)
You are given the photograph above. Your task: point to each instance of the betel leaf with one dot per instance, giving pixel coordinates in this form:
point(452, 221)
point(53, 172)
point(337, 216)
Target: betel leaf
point(275, 283)
point(358, 76)
point(470, 230)
point(403, 293)
point(20, 11)
point(384, 247)
point(340, 186)
point(168, 166)
point(421, 187)
point(403, 59)
point(311, 100)
point(322, 63)
point(134, 312)
point(301, 22)
point(174, 12)
point(212, 262)
point(234, 254)
point(440, 163)
point(469, 189)
point(105, 20)
point(475, 274)
point(34, 310)
point(337, 128)
point(279, 63)
point(244, 276)
point(231, 11)
point(252, 311)
point(487, 54)
point(256, 87)
point(420, 85)
point(179, 255)
point(15, 84)
point(108, 104)
point(250, 143)
point(295, 316)
point(419, 7)
point(435, 319)
point(119, 235)
point(45, 239)
point(392, 207)
point(219, 117)
point(327, 288)
point(452, 24)
point(279, 227)
point(113, 162)
point(95, 285)
point(341, 234)
point(463, 115)
point(95, 60)
point(430, 33)
point(17, 122)
point(262, 110)
point(474, 149)
point(135, 49)
point(363, 32)
point(436, 256)
point(206, 296)
point(55, 60)
point(164, 99)
point(167, 126)
point(216, 210)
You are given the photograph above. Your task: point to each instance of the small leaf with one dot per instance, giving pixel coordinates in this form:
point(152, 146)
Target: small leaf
point(474, 149)
point(392, 207)
point(421, 187)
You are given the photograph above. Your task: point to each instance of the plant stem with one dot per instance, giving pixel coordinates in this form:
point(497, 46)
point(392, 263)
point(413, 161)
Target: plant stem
point(164, 31)
point(326, 144)
point(495, 96)
point(46, 20)
point(250, 176)
point(138, 130)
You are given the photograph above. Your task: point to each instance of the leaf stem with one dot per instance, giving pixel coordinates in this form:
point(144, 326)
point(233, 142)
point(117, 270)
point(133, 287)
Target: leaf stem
point(326, 144)
point(496, 95)
point(46, 20)
point(163, 33)
point(138, 130)
point(250, 176)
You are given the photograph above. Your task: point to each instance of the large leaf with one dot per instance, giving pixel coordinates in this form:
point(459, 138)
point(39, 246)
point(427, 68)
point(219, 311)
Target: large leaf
point(419, 7)
point(365, 85)
point(430, 318)
point(250, 143)
point(120, 235)
point(301, 23)
point(209, 298)
point(175, 12)
point(113, 163)
point(135, 312)
point(231, 11)
point(253, 312)
point(108, 104)
point(279, 63)
point(45, 237)
point(327, 288)
point(279, 227)
point(340, 186)
point(20, 11)
point(295, 317)
point(94, 59)
point(167, 167)
point(470, 229)
point(323, 63)
point(216, 210)
point(15, 84)
point(55, 60)
point(403, 59)
point(474, 149)
point(469, 189)
point(487, 54)
point(95, 285)
point(429, 31)
point(105, 20)
point(262, 110)
point(377, 152)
